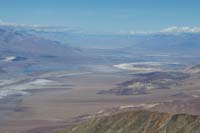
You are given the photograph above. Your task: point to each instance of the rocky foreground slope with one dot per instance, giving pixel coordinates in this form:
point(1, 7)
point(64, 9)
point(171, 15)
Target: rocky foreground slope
point(139, 122)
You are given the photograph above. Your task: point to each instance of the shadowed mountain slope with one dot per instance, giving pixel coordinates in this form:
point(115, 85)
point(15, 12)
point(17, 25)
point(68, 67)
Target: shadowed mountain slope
point(13, 42)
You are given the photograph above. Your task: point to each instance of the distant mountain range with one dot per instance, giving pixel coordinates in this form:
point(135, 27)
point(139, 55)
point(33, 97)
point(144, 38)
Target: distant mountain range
point(183, 43)
point(18, 42)
point(20, 51)
point(156, 43)
point(64, 47)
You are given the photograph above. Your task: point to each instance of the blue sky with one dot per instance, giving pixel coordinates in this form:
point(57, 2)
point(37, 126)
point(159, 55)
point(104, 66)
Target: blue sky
point(103, 15)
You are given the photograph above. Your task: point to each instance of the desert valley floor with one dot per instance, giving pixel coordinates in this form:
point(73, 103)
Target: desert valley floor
point(76, 96)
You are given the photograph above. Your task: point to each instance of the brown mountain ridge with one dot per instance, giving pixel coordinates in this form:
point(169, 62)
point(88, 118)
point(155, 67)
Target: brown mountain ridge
point(139, 122)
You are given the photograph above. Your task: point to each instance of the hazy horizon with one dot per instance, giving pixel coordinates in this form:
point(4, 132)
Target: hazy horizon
point(106, 16)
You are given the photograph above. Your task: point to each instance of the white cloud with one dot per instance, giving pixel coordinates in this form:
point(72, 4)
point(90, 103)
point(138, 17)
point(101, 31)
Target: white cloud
point(45, 28)
point(135, 32)
point(2, 23)
point(176, 29)
point(169, 30)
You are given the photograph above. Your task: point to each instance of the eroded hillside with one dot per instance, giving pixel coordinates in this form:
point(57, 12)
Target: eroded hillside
point(140, 122)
